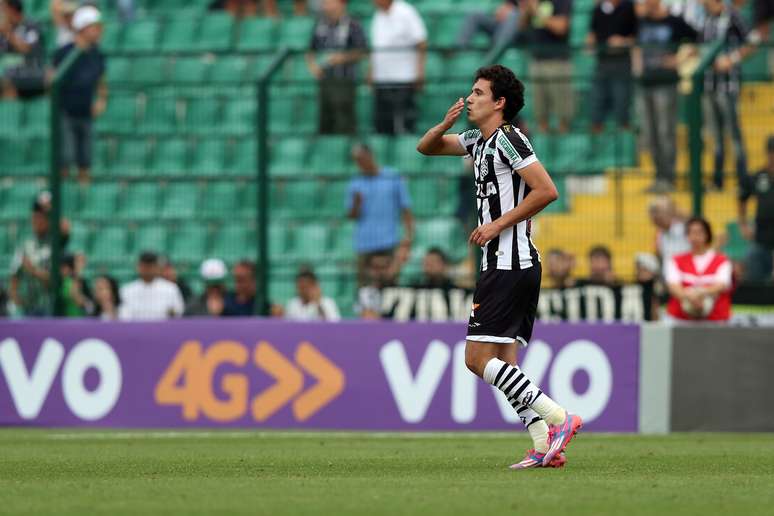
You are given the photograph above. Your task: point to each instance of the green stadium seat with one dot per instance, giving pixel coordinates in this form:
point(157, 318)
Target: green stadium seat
point(281, 288)
point(257, 34)
point(444, 32)
point(579, 27)
point(343, 247)
point(737, 246)
point(243, 158)
point(140, 35)
point(431, 197)
point(220, 200)
point(170, 157)
point(406, 158)
point(149, 70)
point(239, 117)
point(35, 118)
point(278, 242)
point(382, 147)
point(613, 149)
point(463, 65)
point(17, 199)
point(71, 197)
point(311, 241)
point(103, 155)
point(299, 199)
point(440, 232)
point(111, 39)
point(13, 159)
point(334, 198)
point(181, 201)
point(121, 114)
point(573, 153)
point(202, 115)
point(296, 33)
point(119, 70)
point(229, 69)
point(131, 158)
point(101, 201)
point(141, 202)
point(79, 237)
point(10, 118)
point(190, 69)
point(289, 157)
point(160, 116)
point(208, 157)
point(216, 34)
point(562, 204)
point(188, 243)
point(150, 237)
point(234, 242)
point(330, 155)
point(517, 60)
point(109, 244)
point(179, 35)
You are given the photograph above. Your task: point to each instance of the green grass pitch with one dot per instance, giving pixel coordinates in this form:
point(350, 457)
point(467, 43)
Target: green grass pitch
point(277, 473)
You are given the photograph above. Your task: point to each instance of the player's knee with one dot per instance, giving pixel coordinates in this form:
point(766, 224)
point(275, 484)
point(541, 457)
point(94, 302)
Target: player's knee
point(474, 363)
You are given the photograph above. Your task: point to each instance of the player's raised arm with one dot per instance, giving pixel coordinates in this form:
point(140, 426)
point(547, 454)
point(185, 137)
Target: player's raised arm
point(436, 142)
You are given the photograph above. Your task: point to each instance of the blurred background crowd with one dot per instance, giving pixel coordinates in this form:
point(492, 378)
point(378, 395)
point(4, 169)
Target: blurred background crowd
point(157, 137)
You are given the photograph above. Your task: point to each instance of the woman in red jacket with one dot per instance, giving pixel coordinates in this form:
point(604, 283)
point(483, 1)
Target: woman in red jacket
point(699, 281)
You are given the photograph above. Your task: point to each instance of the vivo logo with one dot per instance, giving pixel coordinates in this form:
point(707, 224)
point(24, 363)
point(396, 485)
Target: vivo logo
point(414, 392)
point(30, 388)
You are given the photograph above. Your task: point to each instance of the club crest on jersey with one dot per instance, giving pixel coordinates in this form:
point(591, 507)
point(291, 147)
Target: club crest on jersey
point(485, 190)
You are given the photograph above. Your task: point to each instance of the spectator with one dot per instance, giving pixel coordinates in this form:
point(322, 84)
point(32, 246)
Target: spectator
point(761, 185)
point(84, 91)
point(107, 300)
point(376, 201)
point(399, 40)
point(670, 228)
point(62, 12)
point(659, 35)
point(560, 265)
point(722, 85)
point(169, 273)
point(30, 267)
point(150, 298)
point(502, 26)
point(762, 16)
point(435, 271)
point(213, 301)
point(338, 43)
point(22, 53)
point(648, 276)
point(614, 30)
point(241, 302)
point(309, 303)
point(380, 271)
point(125, 10)
point(601, 267)
point(547, 23)
point(699, 281)
point(74, 291)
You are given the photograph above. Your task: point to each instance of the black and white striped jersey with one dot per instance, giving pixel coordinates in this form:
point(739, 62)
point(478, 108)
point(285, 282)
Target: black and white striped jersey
point(499, 189)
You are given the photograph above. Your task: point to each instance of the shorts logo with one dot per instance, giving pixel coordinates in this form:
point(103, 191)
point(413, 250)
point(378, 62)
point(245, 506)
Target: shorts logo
point(473, 310)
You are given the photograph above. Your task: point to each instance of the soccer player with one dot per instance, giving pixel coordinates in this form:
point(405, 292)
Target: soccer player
point(511, 187)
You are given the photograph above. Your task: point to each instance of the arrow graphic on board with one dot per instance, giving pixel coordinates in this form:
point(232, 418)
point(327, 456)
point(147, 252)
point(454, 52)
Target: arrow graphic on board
point(290, 381)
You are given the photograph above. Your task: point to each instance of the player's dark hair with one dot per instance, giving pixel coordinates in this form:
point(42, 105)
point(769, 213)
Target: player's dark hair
point(16, 5)
point(703, 223)
point(247, 264)
point(600, 250)
point(306, 274)
point(504, 85)
point(149, 258)
point(439, 253)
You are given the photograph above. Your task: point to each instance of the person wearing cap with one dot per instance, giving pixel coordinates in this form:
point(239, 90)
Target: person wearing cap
point(761, 186)
point(28, 290)
point(22, 53)
point(151, 297)
point(84, 91)
point(212, 302)
point(377, 201)
point(62, 12)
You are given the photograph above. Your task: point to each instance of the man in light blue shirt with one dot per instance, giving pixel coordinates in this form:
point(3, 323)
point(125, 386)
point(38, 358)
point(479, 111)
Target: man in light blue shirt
point(377, 200)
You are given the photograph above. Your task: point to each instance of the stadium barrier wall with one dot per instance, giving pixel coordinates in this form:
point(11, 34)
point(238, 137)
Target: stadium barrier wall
point(254, 373)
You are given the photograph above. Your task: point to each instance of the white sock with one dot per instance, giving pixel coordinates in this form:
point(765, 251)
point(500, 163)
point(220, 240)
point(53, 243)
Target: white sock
point(517, 388)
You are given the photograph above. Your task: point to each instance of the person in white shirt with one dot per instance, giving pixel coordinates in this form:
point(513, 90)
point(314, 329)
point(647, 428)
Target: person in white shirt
point(309, 304)
point(399, 40)
point(151, 297)
point(670, 228)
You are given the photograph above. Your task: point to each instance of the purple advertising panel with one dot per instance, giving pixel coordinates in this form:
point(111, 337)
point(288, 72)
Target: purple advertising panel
point(254, 373)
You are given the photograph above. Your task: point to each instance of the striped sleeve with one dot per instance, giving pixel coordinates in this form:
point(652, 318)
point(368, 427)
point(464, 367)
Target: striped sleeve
point(514, 149)
point(468, 140)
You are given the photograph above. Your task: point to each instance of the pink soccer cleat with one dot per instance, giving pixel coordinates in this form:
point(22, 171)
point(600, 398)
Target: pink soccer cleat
point(561, 435)
point(534, 459)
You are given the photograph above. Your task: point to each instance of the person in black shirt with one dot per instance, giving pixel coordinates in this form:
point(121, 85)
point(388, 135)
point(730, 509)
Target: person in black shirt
point(659, 35)
point(722, 84)
point(84, 93)
point(760, 185)
point(613, 30)
point(501, 26)
point(338, 43)
point(548, 25)
point(22, 53)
